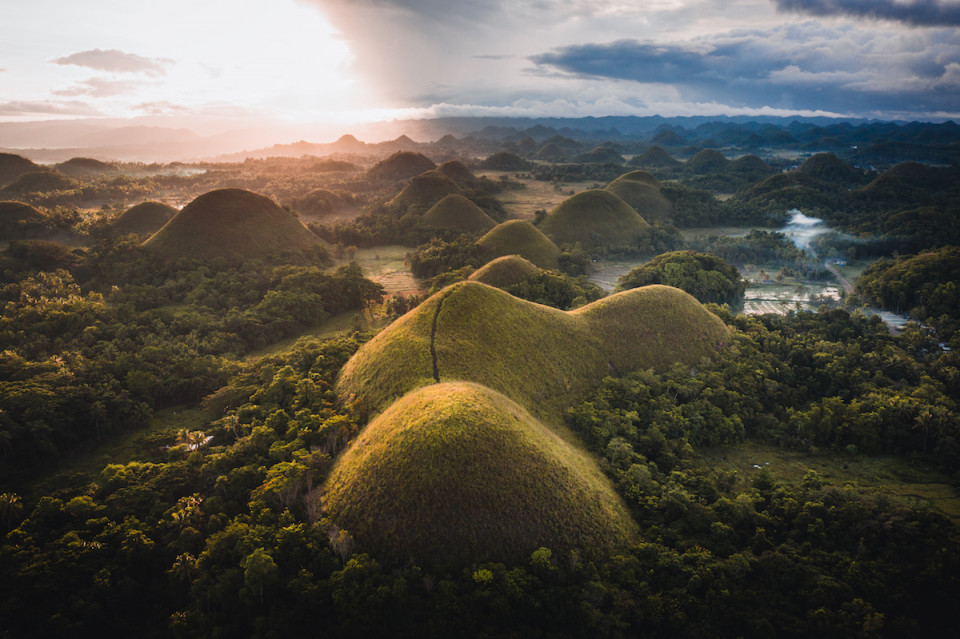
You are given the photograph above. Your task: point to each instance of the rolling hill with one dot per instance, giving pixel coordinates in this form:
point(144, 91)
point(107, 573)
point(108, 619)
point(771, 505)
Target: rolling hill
point(641, 190)
point(519, 237)
point(505, 271)
point(144, 218)
point(594, 219)
point(540, 357)
point(231, 223)
point(457, 212)
point(456, 473)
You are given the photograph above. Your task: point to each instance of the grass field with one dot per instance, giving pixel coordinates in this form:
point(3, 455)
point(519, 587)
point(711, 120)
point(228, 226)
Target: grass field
point(899, 479)
point(523, 203)
point(384, 264)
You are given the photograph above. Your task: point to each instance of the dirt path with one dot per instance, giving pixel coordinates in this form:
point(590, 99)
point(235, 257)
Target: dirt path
point(844, 282)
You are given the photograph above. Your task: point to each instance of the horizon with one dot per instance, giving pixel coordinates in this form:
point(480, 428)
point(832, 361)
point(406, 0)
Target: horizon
point(277, 72)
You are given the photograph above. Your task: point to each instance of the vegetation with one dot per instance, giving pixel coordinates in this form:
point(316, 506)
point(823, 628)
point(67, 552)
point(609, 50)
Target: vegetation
point(402, 165)
point(232, 223)
point(145, 218)
point(506, 271)
point(519, 237)
point(539, 357)
point(642, 191)
point(594, 219)
point(458, 213)
point(706, 277)
point(500, 485)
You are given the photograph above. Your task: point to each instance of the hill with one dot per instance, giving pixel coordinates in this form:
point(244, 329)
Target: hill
point(457, 212)
point(519, 237)
point(401, 165)
point(144, 218)
point(19, 221)
point(655, 158)
point(594, 219)
point(231, 223)
point(827, 167)
point(41, 182)
point(551, 152)
point(459, 173)
point(642, 191)
point(456, 474)
point(505, 271)
point(707, 161)
point(540, 357)
point(13, 166)
point(425, 190)
point(505, 161)
point(85, 167)
point(320, 203)
point(705, 276)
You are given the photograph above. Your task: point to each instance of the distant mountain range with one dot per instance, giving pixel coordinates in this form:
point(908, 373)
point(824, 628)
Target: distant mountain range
point(125, 140)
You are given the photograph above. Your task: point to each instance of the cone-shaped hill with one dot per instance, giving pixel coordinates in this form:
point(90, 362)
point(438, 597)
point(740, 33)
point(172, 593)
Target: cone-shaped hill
point(641, 190)
point(320, 203)
point(595, 218)
point(459, 173)
point(707, 161)
point(540, 357)
point(144, 218)
point(458, 213)
point(456, 474)
point(231, 223)
point(655, 157)
point(86, 167)
point(424, 191)
point(19, 221)
point(829, 168)
point(41, 181)
point(551, 152)
point(13, 166)
point(505, 271)
point(519, 237)
point(401, 166)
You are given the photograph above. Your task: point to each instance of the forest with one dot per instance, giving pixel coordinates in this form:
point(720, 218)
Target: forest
point(170, 425)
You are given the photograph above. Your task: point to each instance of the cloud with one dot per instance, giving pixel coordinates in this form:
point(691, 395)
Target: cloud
point(804, 66)
point(101, 88)
point(922, 13)
point(46, 107)
point(115, 61)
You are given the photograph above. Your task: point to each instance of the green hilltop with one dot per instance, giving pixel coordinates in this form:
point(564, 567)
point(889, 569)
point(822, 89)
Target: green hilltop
point(505, 271)
point(457, 212)
point(232, 223)
point(401, 165)
point(144, 218)
point(594, 219)
point(642, 191)
point(519, 237)
point(425, 190)
point(456, 473)
point(538, 356)
point(458, 172)
point(20, 221)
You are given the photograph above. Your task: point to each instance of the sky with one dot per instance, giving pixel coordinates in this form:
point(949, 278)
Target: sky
point(364, 60)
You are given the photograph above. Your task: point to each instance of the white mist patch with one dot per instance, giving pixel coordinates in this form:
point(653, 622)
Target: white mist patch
point(801, 229)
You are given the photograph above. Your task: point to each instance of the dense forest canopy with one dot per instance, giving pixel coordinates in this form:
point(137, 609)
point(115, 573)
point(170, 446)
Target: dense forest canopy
point(173, 426)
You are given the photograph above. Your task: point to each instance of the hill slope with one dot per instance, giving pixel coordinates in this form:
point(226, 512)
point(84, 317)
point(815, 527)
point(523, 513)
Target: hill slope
point(595, 219)
point(231, 223)
point(519, 237)
point(456, 473)
point(540, 357)
point(425, 190)
point(457, 212)
point(505, 271)
point(641, 190)
point(146, 217)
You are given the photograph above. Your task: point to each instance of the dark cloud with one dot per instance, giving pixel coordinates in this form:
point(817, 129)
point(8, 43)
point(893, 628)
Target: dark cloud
point(923, 13)
point(115, 61)
point(46, 107)
point(804, 66)
point(100, 88)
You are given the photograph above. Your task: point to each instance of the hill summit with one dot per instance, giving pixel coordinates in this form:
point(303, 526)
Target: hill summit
point(456, 473)
point(594, 219)
point(231, 223)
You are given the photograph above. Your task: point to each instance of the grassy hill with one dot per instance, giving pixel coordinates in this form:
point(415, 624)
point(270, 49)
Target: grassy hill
point(641, 190)
point(657, 158)
point(231, 223)
point(144, 218)
point(86, 167)
point(707, 161)
point(19, 221)
point(456, 474)
point(13, 166)
point(320, 202)
point(457, 212)
point(519, 237)
point(505, 271)
point(595, 219)
point(540, 357)
point(41, 182)
point(459, 173)
point(425, 190)
point(401, 165)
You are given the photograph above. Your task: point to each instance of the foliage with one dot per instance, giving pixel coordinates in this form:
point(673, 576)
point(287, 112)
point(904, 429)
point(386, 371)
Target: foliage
point(706, 277)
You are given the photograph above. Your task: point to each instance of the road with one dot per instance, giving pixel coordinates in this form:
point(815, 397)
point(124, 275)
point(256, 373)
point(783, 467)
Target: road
point(844, 282)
